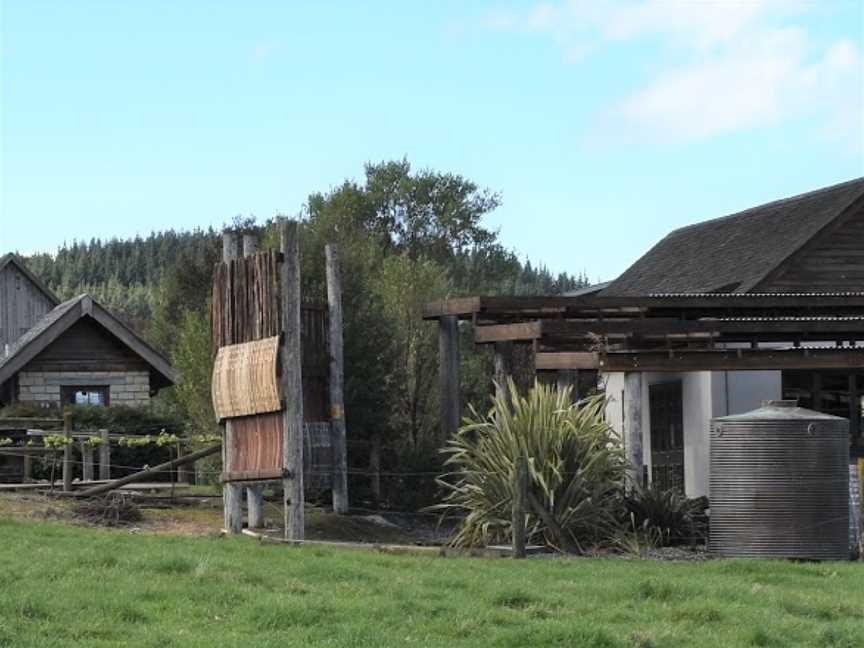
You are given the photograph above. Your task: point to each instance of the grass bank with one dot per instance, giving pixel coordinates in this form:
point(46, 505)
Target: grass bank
point(63, 586)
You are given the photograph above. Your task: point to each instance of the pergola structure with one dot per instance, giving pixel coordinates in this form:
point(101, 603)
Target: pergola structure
point(657, 333)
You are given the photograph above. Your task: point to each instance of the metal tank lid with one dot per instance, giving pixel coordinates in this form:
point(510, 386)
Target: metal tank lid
point(780, 409)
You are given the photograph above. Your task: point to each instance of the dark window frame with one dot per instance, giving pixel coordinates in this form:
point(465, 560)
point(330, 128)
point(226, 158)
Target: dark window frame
point(67, 393)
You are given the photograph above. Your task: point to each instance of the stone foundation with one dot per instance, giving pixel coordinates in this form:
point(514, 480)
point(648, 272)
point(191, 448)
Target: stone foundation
point(125, 387)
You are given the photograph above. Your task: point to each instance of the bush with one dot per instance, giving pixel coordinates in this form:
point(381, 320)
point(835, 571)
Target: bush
point(667, 516)
point(576, 470)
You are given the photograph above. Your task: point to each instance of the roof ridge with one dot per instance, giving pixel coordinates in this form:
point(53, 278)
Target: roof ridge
point(777, 203)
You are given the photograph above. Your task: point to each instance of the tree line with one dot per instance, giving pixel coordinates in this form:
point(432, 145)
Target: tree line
point(406, 237)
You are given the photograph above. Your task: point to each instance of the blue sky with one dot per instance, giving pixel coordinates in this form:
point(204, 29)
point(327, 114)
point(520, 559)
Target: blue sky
point(603, 124)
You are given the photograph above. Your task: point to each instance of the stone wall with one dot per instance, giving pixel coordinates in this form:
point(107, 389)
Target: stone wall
point(125, 387)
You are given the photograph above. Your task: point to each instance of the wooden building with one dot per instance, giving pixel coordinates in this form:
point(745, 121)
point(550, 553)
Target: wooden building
point(763, 304)
point(76, 352)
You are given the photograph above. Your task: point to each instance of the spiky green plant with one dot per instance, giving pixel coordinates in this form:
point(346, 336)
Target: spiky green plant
point(576, 470)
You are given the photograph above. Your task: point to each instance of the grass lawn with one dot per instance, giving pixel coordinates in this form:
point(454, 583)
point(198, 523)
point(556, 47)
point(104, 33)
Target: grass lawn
point(63, 585)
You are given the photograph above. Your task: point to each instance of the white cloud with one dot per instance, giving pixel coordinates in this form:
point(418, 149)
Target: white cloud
point(728, 65)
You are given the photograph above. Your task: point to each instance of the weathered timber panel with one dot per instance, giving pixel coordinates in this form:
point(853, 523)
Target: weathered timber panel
point(833, 261)
point(86, 346)
point(22, 304)
point(247, 307)
point(257, 451)
point(245, 380)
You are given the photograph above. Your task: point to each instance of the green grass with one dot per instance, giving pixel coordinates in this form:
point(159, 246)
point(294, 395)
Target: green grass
point(63, 586)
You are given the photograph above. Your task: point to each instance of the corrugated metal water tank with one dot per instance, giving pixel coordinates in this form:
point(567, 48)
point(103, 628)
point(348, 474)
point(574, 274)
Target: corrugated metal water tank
point(779, 484)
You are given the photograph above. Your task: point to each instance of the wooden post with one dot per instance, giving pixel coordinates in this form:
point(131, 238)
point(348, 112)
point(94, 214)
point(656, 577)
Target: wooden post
point(854, 410)
point(104, 455)
point(375, 466)
point(338, 433)
point(232, 494)
point(633, 425)
point(67, 452)
point(250, 245)
point(292, 384)
point(254, 494)
point(255, 504)
point(86, 460)
point(503, 361)
point(448, 374)
point(28, 468)
point(520, 491)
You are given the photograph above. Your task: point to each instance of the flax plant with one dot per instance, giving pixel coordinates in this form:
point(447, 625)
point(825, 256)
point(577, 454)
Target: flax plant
point(576, 469)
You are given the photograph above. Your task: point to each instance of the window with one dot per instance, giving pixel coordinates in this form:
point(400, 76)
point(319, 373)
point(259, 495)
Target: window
point(85, 395)
point(667, 435)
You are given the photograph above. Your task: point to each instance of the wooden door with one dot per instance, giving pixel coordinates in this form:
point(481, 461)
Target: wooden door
point(667, 435)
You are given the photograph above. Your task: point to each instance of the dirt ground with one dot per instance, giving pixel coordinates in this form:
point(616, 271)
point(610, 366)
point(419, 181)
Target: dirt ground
point(195, 514)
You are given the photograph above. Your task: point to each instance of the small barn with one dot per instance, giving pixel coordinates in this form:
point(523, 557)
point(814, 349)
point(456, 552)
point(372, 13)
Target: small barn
point(75, 352)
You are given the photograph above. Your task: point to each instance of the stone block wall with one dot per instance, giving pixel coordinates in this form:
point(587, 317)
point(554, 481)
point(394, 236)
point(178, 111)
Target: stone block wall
point(125, 387)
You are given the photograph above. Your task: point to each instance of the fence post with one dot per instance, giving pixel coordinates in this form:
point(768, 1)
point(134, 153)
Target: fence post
point(67, 451)
point(104, 455)
point(28, 468)
point(86, 460)
point(520, 489)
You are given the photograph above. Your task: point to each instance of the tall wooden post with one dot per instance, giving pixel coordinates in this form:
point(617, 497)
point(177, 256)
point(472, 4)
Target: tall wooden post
point(104, 455)
point(86, 460)
point(503, 362)
point(337, 396)
point(67, 451)
point(520, 495)
point(448, 373)
point(633, 425)
point(232, 494)
point(292, 384)
point(255, 493)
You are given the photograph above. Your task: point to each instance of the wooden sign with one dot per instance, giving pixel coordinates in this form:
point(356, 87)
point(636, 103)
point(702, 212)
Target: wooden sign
point(245, 380)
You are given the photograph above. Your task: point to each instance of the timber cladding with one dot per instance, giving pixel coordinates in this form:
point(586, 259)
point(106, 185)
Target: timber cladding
point(247, 307)
point(245, 379)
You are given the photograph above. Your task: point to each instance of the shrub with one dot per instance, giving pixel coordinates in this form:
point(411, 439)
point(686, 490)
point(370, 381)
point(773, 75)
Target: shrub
point(667, 515)
point(576, 470)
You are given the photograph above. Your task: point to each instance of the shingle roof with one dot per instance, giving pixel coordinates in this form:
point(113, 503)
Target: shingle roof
point(58, 320)
point(733, 253)
point(44, 323)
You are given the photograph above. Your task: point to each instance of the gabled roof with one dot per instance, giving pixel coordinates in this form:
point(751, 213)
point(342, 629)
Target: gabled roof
point(15, 260)
point(60, 319)
point(734, 253)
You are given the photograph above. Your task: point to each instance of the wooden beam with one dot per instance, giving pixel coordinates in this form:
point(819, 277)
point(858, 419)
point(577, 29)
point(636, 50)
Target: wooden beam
point(553, 360)
point(149, 472)
point(336, 379)
point(633, 425)
point(448, 374)
point(462, 306)
point(292, 384)
point(734, 360)
point(503, 332)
